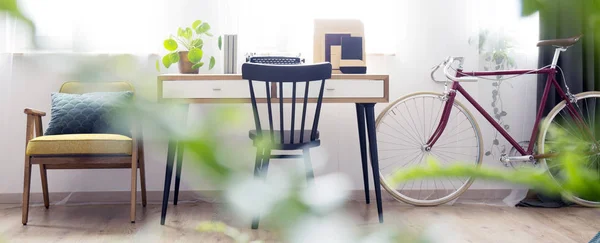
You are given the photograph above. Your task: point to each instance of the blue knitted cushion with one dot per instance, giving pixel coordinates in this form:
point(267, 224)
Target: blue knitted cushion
point(100, 112)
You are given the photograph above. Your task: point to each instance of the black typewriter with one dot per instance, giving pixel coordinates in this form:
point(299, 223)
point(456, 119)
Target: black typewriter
point(274, 59)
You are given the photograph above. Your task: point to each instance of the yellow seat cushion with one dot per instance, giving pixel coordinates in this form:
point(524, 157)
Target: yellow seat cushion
point(80, 144)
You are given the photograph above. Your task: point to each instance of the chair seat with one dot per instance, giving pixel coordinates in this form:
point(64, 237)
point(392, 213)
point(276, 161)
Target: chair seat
point(286, 138)
point(80, 144)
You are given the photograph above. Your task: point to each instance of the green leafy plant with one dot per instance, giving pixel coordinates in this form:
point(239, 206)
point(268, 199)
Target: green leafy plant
point(496, 52)
point(191, 39)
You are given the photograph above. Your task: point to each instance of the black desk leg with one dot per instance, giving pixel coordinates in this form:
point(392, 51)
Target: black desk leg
point(168, 176)
point(180, 149)
point(370, 114)
point(360, 117)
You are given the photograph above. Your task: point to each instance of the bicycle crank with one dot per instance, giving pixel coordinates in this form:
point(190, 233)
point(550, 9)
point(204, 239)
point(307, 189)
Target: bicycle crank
point(515, 160)
point(509, 160)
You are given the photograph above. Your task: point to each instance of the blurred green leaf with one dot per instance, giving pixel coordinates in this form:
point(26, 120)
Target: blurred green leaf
point(209, 34)
point(188, 33)
point(574, 170)
point(198, 65)
point(180, 32)
point(12, 8)
point(203, 28)
point(211, 64)
point(526, 176)
point(157, 66)
point(198, 43)
point(170, 59)
point(196, 24)
point(195, 55)
point(170, 44)
point(220, 42)
point(166, 60)
point(529, 7)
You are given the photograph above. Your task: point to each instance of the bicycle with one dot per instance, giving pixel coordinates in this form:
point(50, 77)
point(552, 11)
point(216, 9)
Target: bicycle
point(444, 128)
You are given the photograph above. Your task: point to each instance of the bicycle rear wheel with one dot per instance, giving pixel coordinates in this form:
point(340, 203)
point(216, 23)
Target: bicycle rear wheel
point(588, 107)
point(403, 129)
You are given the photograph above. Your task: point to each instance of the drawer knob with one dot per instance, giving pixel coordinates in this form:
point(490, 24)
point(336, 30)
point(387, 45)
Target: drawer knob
point(216, 89)
point(330, 89)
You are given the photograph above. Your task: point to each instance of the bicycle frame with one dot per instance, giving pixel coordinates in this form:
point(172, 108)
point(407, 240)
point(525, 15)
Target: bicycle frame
point(456, 87)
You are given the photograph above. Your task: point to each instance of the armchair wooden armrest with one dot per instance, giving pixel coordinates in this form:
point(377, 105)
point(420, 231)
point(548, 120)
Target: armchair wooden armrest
point(33, 112)
point(34, 123)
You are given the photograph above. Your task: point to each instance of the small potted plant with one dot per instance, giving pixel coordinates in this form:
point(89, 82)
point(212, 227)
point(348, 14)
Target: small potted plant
point(190, 38)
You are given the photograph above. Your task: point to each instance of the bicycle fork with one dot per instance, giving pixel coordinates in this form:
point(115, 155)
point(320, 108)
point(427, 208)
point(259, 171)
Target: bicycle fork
point(449, 97)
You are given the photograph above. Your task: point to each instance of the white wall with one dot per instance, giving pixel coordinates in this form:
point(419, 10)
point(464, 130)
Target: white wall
point(429, 31)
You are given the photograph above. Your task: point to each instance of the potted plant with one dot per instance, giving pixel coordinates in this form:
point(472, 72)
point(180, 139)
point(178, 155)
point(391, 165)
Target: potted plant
point(496, 52)
point(191, 40)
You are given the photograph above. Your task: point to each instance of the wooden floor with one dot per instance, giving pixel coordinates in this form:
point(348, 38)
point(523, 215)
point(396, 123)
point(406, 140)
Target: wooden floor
point(457, 223)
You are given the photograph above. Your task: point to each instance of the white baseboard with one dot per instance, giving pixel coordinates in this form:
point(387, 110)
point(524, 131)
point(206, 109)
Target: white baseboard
point(111, 197)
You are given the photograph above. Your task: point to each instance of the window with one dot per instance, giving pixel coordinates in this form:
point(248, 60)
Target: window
point(140, 25)
point(287, 26)
point(96, 26)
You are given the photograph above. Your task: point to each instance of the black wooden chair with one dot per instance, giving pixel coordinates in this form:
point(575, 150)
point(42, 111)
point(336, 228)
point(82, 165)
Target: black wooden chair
point(275, 138)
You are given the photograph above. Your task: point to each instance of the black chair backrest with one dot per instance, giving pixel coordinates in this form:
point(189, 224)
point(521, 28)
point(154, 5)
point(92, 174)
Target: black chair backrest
point(288, 75)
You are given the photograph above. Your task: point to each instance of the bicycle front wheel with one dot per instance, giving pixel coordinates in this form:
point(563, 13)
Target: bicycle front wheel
point(403, 129)
point(588, 108)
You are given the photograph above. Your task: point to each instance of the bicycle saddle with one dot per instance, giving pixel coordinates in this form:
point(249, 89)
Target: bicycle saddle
point(566, 42)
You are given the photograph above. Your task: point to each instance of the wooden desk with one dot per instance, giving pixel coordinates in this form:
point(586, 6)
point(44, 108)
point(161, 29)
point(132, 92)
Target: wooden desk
point(363, 90)
point(231, 88)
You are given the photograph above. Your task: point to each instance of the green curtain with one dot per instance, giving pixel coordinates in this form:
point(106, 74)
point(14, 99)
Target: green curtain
point(581, 62)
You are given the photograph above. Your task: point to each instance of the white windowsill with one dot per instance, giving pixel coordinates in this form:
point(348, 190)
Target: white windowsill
point(122, 53)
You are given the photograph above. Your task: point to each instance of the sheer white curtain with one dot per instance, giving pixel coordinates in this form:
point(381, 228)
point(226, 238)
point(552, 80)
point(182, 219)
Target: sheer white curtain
point(140, 26)
point(106, 26)
point(421, 33)
point(500, 30)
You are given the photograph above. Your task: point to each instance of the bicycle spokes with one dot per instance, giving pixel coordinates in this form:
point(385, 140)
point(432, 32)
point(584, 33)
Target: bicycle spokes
point(404, 131)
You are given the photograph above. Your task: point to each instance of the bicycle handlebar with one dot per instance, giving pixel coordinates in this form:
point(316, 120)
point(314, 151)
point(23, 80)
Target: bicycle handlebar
point(434, 69)
point(447, 64)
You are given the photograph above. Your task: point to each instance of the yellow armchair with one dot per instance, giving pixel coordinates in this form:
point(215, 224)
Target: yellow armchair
point(82, 151)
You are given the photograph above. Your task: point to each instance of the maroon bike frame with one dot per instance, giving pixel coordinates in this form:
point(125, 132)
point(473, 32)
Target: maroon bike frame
point(550, 81)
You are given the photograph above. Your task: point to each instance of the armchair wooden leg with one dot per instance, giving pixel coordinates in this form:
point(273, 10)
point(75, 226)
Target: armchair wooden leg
point(26, 190)
point(143, 177)
point(44, 177)
point(134, 166)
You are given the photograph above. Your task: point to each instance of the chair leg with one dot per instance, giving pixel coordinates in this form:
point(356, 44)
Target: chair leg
point(26, 190)
point(260, 171)
point(142, 167)
point(44, 177)
point(258, 162)
point(310, 175)
point(265, 163)
point(178, 172)
point(134, 171)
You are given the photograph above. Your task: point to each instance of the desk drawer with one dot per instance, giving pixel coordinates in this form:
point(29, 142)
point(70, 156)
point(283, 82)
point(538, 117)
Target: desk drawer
point(339, 88)
point(210, 89)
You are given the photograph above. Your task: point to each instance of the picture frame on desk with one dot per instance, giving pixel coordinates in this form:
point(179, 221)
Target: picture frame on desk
point(342, 43)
